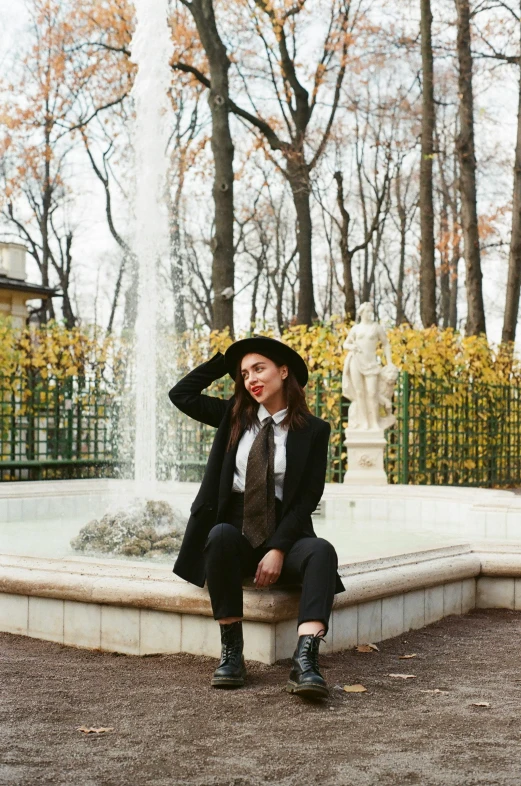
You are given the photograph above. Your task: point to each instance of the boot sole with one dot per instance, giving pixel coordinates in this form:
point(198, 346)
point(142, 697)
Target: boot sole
point(227, 682)
point(309, 691)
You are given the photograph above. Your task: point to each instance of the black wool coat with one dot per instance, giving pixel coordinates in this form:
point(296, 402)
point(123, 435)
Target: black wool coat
point(306, 462)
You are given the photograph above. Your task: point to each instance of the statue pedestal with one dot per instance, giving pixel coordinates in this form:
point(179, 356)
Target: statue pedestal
point(365, 457)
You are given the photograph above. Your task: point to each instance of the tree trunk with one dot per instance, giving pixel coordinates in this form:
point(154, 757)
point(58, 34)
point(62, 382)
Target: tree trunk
point(255, 292)
point(402, 217)
point(223, 150)
point(49, 313)
point(347, 257)
point(445, 261)
point(103, 177)
point(366, 291)
point(68, 313)
point(176, 260)
point(115, 297)
point(514, 261)
point(131, 296)
point(427, 265)
point(455, 258)
point(467, 180)
point(298, 178)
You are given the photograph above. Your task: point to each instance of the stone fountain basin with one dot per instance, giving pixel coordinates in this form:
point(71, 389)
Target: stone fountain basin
point(408, 555)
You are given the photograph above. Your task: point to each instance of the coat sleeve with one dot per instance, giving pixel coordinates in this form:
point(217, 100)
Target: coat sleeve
point(309, 494)
point(186, 394)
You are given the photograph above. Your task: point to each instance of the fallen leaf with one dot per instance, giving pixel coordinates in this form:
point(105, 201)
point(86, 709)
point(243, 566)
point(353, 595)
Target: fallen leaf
point(407, 657)
point(403, 676)
point(354, 688)
point(481, 704)
point(367, 648)
point(94, 729)
point(434, 690)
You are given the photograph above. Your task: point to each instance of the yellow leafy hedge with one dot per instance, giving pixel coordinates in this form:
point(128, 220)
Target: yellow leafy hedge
point(439, 352)
point(59, 352)
point(54, 351)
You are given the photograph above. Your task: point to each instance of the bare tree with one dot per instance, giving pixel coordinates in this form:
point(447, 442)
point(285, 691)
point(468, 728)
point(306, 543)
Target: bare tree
point(406, 208)
point(450, 222)
point(297, 107)
point(186, 129)
point(514, 262)
point(223, 152)
point(102, 170)
point(267, 239)
point(347, 252)
point(467, 181)
point(427, 265)
point(502, 31)
point(200, 287)
point(59, 90)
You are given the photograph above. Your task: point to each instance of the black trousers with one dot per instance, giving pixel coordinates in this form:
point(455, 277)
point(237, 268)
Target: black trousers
point(229, 558)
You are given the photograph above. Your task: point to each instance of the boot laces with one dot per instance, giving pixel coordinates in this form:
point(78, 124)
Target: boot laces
point(311, 651)
point(230, 645)
point(226, 652)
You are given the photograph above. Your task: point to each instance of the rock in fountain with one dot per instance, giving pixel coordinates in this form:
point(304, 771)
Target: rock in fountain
point(143, 529)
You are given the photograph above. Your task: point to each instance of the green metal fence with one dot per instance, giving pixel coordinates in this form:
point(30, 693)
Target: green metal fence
point(54, 428)
point(455, 433)
point(446, 432)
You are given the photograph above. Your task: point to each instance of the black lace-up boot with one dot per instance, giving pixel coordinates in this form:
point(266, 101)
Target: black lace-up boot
point(231, 670)
point(304, 677)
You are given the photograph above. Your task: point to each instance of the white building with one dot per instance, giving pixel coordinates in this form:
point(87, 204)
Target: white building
point(15, 291)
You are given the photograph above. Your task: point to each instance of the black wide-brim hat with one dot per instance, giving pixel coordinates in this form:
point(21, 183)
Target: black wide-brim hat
point(271, 348)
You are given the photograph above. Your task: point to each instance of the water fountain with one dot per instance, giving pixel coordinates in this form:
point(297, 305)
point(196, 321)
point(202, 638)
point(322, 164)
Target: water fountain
point(151, 51)
point(135, 525)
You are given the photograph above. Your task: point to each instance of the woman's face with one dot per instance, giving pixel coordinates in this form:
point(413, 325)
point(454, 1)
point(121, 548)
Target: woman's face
point(263, 379)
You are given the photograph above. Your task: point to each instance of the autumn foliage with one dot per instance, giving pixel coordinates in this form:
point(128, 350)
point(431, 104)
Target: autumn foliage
point(433, 351)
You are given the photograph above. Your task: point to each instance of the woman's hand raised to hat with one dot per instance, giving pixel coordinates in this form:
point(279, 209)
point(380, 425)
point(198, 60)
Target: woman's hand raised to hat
point(269, 568)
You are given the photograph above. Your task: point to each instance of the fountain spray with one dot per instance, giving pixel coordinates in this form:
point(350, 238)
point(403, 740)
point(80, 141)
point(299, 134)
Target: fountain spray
point(151, 51)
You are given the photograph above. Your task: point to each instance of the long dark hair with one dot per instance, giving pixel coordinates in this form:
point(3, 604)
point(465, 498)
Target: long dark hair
point(244, 411)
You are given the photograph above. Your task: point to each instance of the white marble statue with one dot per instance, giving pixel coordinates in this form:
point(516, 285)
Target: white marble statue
point(365, 381)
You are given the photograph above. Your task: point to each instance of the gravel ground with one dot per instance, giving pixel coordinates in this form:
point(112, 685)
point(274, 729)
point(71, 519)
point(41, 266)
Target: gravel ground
point(170, 727)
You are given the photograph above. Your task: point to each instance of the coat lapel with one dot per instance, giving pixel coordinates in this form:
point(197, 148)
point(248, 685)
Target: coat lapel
point(297, 449)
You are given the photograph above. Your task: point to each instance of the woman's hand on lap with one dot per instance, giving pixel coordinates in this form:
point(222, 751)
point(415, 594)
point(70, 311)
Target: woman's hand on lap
point(269, 568)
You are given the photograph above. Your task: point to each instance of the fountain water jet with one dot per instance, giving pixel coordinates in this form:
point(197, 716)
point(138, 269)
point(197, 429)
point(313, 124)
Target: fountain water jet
point(151, 49)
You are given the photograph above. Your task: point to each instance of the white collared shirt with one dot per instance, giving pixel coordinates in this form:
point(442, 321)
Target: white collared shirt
point(280, 434)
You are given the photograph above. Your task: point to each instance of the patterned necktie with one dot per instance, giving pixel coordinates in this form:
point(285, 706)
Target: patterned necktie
point(259, 519)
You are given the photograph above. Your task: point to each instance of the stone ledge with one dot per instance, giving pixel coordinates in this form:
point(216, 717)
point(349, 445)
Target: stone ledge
point(113, 487)
point(500, 563)
point(154, 587)
point(138, 609)
point(399, 579)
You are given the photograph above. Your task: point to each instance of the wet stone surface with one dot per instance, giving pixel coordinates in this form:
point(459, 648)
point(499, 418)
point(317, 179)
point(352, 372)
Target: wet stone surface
point(170, 727)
